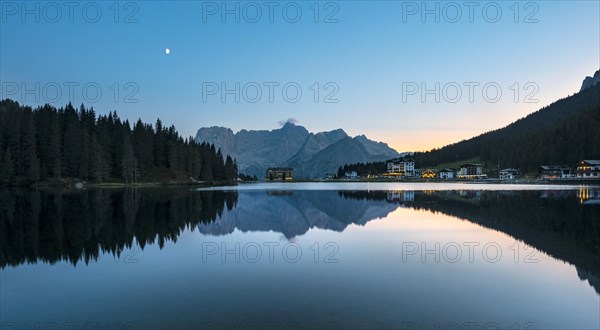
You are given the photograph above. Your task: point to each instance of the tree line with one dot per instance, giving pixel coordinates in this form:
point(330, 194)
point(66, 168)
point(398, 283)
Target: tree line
point(370, 167)
point(564, 133)
point(47, 143)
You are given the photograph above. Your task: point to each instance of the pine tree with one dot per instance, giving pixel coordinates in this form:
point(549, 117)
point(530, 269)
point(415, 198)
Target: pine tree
point(99, 166)
point(30, 161)
point(230, 171)
point(207, 172)
point(129, 164)
point(33, 171)
point(172, 156)
point(54, 156)
point(8, 167)
point(72, 147)
point(235, 169)
point(159, 145)
point(194, 162)
point(84, 165)
point(142, 145)
point(218, 165)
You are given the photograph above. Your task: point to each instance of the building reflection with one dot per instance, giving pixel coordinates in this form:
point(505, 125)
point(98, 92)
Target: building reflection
point(588, 196)
point(403, 197)
point(469, 193)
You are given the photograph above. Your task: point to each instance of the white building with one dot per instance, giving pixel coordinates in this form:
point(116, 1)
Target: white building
point(555, 172)
point(403, 166)
point(471, 171)
point(446, 174)
point(351, 175)
point(588, 169)
point(508, 174)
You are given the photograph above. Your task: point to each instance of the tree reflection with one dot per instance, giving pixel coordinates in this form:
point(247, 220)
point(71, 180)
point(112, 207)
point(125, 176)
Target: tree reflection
point(75, 226)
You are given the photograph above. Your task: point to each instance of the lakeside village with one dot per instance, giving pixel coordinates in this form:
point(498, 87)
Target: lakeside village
point(404, 168)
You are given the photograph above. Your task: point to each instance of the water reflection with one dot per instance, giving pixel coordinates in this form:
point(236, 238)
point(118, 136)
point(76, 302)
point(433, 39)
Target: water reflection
point(293, 213)
point(588, 196)
point(75, 226)
point(51, 226)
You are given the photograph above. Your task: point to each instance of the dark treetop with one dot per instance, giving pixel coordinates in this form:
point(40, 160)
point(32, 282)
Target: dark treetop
point(50, 144)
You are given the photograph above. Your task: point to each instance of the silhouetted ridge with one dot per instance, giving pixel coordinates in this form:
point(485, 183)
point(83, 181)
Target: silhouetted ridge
point(564, 132)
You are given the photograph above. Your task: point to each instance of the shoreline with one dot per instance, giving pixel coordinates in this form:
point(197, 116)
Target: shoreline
point(76, 184)
point(484, 181)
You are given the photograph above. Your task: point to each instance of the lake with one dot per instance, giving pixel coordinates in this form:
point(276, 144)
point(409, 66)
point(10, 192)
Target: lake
point(302, 256)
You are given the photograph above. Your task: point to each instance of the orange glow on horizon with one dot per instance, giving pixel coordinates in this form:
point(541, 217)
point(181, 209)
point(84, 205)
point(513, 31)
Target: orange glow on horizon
point(424, 140)
point(456, 129)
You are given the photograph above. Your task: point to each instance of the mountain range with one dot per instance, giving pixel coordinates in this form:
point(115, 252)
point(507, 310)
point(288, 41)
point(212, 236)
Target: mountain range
point(311, 155)
point(563, 132)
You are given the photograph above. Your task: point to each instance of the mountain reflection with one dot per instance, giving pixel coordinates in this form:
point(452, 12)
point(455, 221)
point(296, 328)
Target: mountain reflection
point(75, 226)
point(293, 213)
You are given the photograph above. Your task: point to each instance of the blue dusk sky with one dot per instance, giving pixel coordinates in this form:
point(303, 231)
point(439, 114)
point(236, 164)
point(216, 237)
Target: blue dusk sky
point(369, 67)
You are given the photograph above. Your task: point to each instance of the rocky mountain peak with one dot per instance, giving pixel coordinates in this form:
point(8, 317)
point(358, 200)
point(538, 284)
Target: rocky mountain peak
point(310, 154)
point(590, 81)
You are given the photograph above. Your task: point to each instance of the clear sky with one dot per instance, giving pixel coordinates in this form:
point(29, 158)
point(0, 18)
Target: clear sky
point(370, 61)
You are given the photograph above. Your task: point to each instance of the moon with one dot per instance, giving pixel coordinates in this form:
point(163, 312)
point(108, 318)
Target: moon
point(167, 51)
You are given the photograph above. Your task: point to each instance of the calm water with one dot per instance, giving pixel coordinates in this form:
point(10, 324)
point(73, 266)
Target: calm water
point(310, 256)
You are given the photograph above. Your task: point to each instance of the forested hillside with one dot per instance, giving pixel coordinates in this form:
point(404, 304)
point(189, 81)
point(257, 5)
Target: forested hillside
point(562, 133)
point(49, 144)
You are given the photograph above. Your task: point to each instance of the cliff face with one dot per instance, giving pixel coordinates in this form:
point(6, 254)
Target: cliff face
point(311, 155)
point(590, 81)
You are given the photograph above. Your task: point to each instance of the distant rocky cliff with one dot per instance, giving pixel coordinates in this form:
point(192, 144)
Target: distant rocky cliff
point(590, 81)
point(312, 155)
